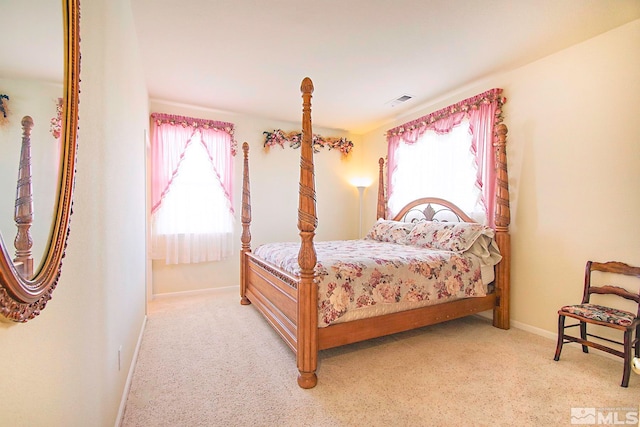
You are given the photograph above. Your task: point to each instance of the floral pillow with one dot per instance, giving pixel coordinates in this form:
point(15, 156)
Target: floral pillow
point(447, 236)
point(385, 230)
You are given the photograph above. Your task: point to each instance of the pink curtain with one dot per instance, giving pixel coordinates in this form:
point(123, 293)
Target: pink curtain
point(484, 112)
point(170, 136)
point(220, 154)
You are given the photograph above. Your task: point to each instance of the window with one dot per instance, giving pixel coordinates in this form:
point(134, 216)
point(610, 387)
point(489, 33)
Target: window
point(448, 154)
point(438, 165)
point(191, 167)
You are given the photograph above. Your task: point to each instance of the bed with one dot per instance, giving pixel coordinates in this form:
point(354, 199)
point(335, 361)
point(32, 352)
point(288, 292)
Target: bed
point(303, 295)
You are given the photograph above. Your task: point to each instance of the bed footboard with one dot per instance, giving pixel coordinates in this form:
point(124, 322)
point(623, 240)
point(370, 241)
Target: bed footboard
point(290, 305)
point(274, 294)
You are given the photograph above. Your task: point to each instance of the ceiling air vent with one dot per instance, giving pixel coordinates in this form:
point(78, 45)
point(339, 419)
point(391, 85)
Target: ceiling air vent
point(399, 100)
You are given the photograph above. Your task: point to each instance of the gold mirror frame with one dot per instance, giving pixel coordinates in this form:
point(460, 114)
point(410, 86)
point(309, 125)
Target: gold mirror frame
point(21, 299)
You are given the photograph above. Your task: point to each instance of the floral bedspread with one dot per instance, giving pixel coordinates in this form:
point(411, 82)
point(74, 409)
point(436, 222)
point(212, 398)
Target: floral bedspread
point(353, 274)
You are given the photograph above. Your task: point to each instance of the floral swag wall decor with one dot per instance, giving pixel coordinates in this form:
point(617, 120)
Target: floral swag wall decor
point(294, 139)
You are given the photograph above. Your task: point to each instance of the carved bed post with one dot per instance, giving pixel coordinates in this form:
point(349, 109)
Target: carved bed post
point(381, 211)
point(503, 239)
point(307, 324)
point(24, 204)
point(246, 222)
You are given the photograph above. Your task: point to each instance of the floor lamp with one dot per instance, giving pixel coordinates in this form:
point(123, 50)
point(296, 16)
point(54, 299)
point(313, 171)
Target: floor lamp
point(361, 184)
point(361, 189)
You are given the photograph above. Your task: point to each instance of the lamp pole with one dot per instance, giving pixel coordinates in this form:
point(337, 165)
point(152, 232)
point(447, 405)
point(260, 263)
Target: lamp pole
point(360, 193)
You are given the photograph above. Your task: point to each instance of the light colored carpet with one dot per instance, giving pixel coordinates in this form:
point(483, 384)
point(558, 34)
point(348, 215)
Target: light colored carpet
point(206, 360)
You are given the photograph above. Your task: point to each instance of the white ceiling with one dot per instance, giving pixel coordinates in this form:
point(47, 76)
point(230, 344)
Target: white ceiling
point(249, 56)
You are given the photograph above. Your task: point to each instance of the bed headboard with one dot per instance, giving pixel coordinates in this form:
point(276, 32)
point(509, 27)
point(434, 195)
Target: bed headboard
point(432, 209)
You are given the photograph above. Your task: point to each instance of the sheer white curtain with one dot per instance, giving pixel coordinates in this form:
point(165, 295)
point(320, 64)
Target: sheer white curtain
point(439, 165)
point(192, 216)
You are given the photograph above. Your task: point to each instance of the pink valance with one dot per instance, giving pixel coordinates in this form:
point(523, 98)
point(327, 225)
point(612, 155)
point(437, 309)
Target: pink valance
point(172, 134)
point(174, 120)
point(484, 112)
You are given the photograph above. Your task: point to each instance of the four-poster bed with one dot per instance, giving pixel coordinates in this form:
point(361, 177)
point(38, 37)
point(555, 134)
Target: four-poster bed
point(290, 300)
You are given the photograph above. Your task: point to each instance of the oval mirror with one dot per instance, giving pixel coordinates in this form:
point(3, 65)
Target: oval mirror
point(41, 77)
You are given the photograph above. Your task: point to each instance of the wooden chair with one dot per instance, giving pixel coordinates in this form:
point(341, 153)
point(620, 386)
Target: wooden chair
point(605, 316)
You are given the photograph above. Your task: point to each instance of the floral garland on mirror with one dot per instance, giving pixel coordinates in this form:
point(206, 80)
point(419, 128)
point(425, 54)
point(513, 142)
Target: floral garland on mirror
point(4, 108)
point(55, 124)
point(294, 139)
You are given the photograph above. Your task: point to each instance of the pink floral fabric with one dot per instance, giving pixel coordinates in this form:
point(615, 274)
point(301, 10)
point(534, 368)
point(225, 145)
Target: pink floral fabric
point(386, 230)
point(601, 313)
point(447, 236)
point(354, 274)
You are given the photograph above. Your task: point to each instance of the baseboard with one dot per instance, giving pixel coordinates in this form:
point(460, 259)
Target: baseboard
point(127, 384)
point(537, 331)
point(545, 334)
point(195, 292)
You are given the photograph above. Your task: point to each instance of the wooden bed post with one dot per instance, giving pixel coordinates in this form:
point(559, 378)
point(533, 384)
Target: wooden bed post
point(503, 239)
point(24, 204)
point(307, 324)
point(381, 211)
point(246, 222)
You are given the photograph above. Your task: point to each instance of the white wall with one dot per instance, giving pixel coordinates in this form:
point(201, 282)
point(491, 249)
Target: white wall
point(61, 368)
point(274, 176)
point(574, 167)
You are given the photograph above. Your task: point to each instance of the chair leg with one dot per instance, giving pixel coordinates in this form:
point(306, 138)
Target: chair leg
point(627, 358)
point(583, 335)
point(637, 347)
point(560, 337)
